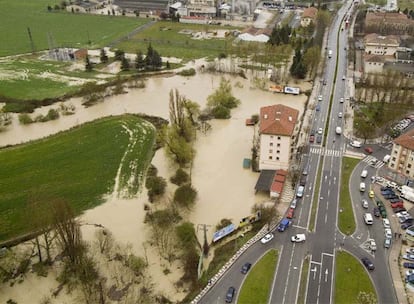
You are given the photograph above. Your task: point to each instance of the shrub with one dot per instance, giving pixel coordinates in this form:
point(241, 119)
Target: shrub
point(156, 186)
point(25, 119)
point(52, 114)
point(221, 112)
point(180, 177)
point(187, 72)
point(185, 196)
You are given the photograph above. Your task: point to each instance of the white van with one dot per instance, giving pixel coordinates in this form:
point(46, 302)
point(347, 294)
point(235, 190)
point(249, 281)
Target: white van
point(362, 187)
point(338, 130)
point(364, 173)
point(386, 158)
point(355, 144)
point(368, 219)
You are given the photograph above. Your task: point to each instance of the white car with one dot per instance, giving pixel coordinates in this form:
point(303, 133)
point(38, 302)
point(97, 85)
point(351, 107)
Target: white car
point(298, 238)
point(343, 77)
point(340, 115)
point(364, 204)
point(267, 238)
point(386, 223)
point(341, 100)
point(410, 251)
point(387, 243)
point(388, 233)
point(293, 204)
point(372, 244)
point(320, 131)
point(355, 144)
point(409, 257)
point(409, 272)
point(320, 98)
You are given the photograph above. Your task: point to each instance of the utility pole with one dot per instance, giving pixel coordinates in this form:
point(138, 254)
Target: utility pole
point(206, 247)
point(31, 40)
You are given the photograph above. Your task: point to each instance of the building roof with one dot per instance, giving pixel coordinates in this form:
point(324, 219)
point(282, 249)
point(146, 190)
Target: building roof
point(278, 120)
point(406, 140)
point(374, 38)
point(386, 17)
point(375, 58)
point(265, 180)
point(310, 12)
point(278, 181)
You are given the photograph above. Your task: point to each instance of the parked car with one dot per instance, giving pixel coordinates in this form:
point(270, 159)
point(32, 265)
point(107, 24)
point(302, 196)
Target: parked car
point(397, 205)
point(320, 131)
point(311, 138)
point(386, 223)
point(230, 294)
point(387, 243)
point(395, 200)
point(283, 225)
point(371, 193)
point(290, 213)
point(408, 256)
point(299, 192)
point(409, 250)
point(298, 238)
point(267, 238)
point(397, 210)
point(246, 268)
point(293, 203)
point(368, 264)
point(404, 226)
point(376, 212)
point(408, 265)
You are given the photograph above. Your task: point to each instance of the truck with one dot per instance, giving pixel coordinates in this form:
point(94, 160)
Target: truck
point(330, 54)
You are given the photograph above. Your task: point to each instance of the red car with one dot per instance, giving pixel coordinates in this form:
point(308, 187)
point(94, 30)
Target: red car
point(312, 138)
point(368, 150)
point(397, 205)
point(290, 213)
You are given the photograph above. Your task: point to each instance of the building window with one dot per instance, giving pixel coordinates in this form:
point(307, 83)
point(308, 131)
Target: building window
point(277, 158)
point(395, 151)
point(278, 138)
point(393, 158)
point(407, 172)
point(270, 151)
point(271, 144)
point(278, 145)
point(409, 166)
point(271, 136)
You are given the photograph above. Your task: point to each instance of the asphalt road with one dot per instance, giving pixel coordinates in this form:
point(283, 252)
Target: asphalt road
point(322, 243)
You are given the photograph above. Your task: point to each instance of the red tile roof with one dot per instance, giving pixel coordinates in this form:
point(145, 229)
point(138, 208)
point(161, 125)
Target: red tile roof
point(406, 140)
point(278, 181)
point(310, 12)
point(278, 120)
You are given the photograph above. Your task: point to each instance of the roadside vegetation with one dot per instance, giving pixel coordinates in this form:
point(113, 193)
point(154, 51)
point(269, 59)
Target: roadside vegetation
point(406, 4)
point(256, 288)
point(352, 282)
point(57, 28)
point(78, 166)
point(315, 199)
point(346, 219)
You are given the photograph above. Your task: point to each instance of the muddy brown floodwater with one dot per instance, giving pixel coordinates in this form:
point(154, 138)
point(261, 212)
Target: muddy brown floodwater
point(225, 189)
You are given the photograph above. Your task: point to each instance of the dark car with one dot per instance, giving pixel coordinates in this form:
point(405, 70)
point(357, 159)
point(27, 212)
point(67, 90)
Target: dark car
point(230, 294)
point(380, 203)
point(408, 220)
point(311, 138)
point(376, 212)
point(408, 265)
point(387, 192)
point(390, 196)
point(368, 264)
point(385, 188)
point(246, 268)
point(395, 200)
point(319, 139)
point(397, 210)
point(368, 150)
point(406, 225)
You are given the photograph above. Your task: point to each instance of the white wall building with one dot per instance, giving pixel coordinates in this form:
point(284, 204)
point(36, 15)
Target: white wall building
point(277, 130)
point(402, 154)
point(381, 45)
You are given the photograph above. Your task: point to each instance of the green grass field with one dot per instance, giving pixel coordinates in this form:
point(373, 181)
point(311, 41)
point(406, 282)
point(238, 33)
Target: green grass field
point(346, 220)
point(256, 287)
point(78, 166)
point(403, 4)
point(164, 36)
point(350, 279)
point(65, 29)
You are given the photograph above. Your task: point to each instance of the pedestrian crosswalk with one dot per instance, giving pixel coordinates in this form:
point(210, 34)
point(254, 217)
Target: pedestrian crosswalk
point(376, 163)
point(326, 152)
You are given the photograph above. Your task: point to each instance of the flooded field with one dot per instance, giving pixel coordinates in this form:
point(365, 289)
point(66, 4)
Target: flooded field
point(225, 189)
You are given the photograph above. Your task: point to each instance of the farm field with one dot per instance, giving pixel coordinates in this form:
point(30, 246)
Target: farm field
point(166, 38)
point(62, 29)
point(79, 166)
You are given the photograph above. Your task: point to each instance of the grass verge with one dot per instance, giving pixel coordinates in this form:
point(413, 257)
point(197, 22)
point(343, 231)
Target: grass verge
point(346, 220)
point(315, 199)
point(303, 281)
point(78, 166)
point(350, 279)
point(256, 287)
point(58, 27)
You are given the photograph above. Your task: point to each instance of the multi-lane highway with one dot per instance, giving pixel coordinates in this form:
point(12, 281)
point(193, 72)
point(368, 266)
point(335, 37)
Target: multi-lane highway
point(325, 239)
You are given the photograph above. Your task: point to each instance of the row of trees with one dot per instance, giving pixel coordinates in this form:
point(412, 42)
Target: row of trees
point(152, 61)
